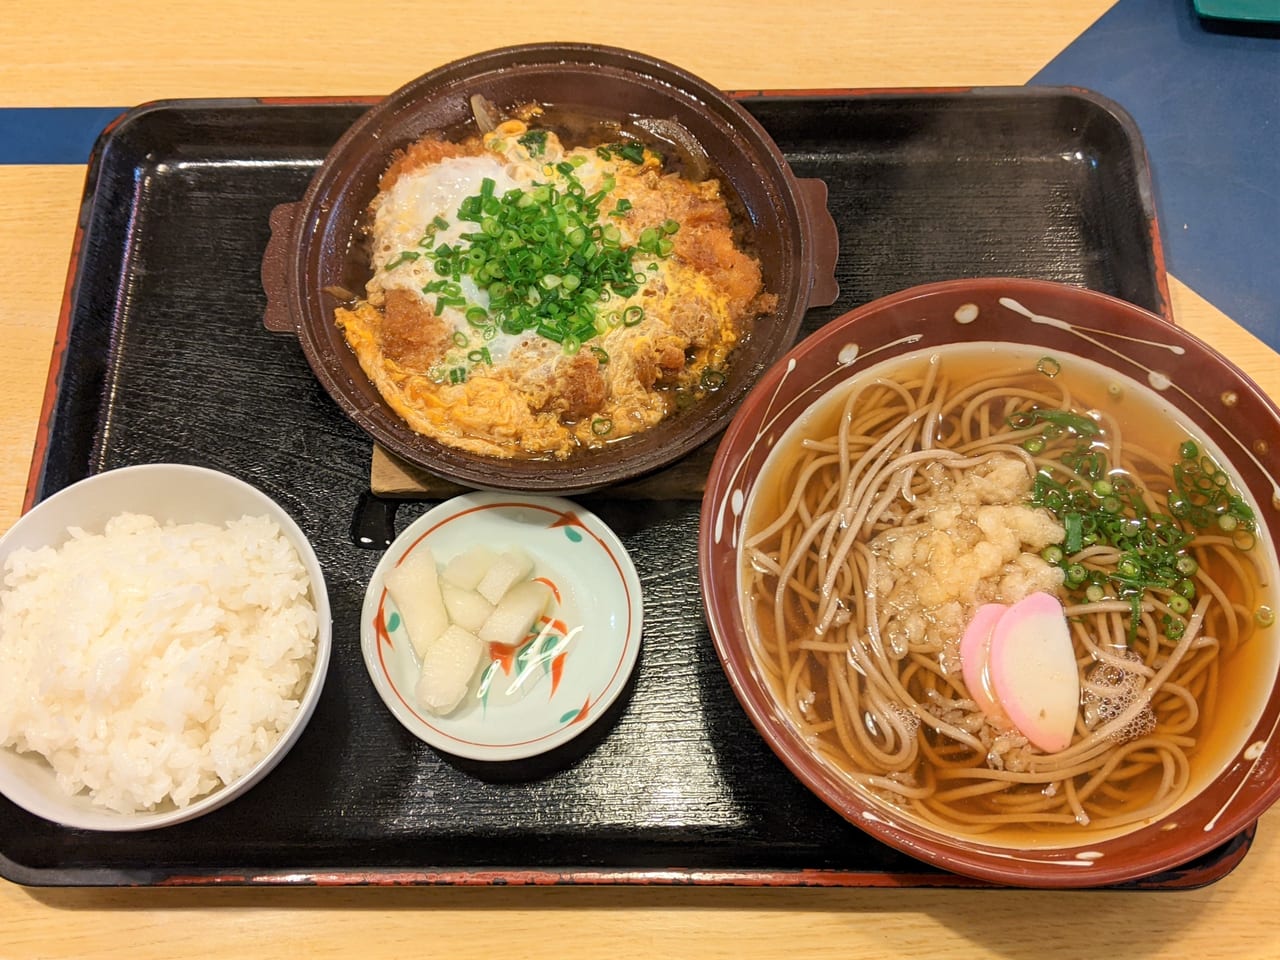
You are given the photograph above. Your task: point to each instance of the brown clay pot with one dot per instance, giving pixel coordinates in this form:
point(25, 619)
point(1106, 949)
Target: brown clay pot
point(794, 237)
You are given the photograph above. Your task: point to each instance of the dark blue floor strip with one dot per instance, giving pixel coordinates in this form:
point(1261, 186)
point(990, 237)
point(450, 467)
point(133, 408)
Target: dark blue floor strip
point(51, 134)
point(1206, 97)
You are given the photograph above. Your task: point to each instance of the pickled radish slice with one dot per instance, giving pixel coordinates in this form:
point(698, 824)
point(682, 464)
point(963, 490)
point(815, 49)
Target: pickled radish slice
point(466, 608)
point(467, 569)
point(975, 646)
point(415, 587)
point(510, 568)
point(447, 670)
point(515, 613)
point(1033, 671)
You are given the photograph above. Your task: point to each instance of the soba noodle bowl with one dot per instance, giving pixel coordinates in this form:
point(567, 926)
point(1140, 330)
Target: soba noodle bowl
point(929, 486)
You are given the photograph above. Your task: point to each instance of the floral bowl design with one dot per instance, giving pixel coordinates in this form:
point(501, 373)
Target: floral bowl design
point(570, 667)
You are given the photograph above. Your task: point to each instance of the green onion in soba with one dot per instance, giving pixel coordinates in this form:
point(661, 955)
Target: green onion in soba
point(1099, 506)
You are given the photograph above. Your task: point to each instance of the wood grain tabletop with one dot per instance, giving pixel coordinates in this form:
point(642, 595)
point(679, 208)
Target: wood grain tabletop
point(64, 54)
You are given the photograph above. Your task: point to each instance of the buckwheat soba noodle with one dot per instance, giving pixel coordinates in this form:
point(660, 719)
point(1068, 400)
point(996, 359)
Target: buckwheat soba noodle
point(911, 498)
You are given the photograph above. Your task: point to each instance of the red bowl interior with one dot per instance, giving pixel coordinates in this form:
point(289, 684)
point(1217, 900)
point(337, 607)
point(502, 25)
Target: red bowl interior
point(1228, 409)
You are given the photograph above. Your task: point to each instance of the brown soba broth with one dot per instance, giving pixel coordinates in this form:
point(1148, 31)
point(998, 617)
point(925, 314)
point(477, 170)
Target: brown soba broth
point(928, 486)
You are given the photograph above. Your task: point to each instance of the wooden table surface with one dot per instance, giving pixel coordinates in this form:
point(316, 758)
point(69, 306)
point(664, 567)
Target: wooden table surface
point(117, 53)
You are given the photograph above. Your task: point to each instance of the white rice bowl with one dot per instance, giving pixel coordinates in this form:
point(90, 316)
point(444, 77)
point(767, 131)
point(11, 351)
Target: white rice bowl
point(164, 636)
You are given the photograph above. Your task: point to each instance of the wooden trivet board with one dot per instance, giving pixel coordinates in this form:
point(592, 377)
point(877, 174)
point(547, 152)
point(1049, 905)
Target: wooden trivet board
point(394, 478)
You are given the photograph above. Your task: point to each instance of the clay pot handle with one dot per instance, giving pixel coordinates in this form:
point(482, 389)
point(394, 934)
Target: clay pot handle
point(825, 240)
point(277, 317)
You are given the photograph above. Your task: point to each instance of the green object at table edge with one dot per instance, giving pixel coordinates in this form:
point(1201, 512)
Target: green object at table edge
point(1259, 11)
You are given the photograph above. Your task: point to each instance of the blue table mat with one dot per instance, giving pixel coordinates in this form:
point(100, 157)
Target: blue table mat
point(36, 135)
point(1206, 97)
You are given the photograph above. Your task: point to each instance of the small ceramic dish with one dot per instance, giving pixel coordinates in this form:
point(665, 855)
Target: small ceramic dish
point(171, 493)
point(513, 712)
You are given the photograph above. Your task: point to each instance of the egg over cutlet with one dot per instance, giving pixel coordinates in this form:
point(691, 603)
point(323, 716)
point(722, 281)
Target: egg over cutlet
point(528, 300)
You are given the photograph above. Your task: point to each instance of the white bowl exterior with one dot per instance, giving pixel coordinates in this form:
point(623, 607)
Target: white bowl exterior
point(175, 493)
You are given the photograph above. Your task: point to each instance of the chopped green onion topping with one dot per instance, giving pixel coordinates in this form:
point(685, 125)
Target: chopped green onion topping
point(535, 141)
point(1099, 506)
point(1203, 494)
point(1049, 366)
point(1074, 524)
point(544, 259)
point(1075, 422)
point(405, 256)
point(712, 379)
point(633, 152)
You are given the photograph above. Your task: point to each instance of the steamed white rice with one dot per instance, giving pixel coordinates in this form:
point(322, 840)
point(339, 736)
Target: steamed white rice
point(148, 664)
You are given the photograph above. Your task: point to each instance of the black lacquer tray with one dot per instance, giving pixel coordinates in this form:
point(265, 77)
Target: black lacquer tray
point(161, 355)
